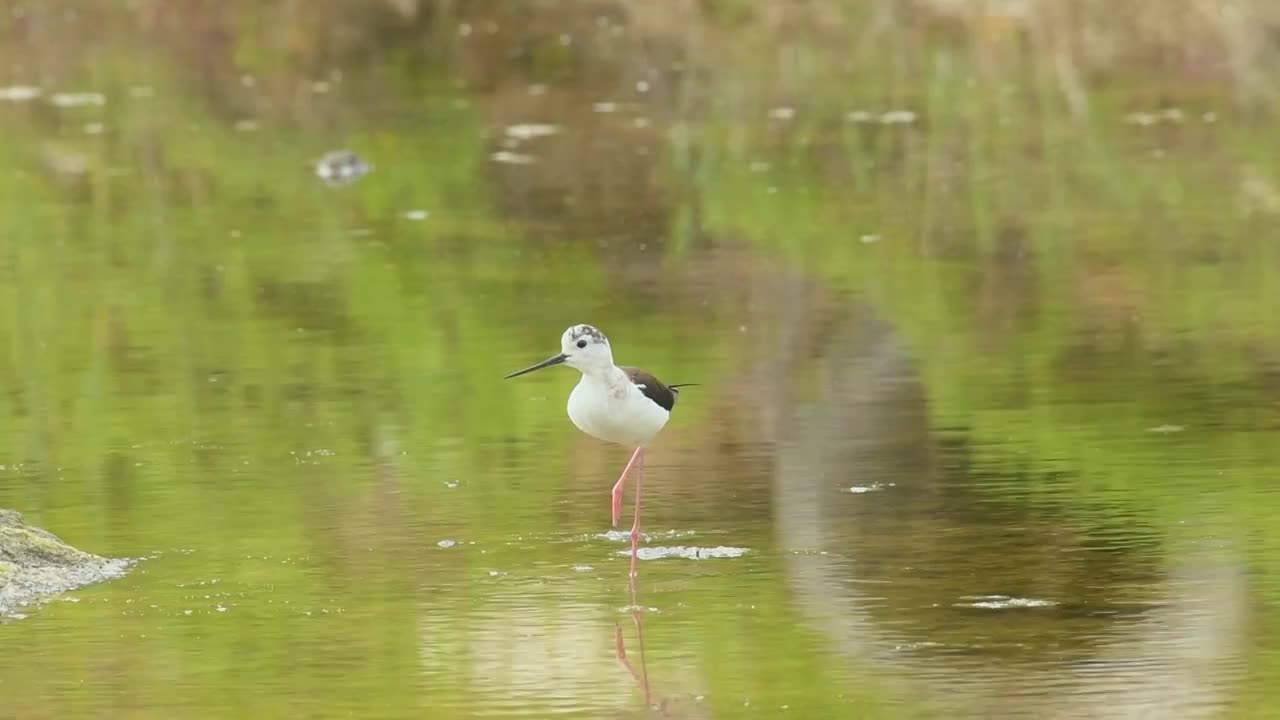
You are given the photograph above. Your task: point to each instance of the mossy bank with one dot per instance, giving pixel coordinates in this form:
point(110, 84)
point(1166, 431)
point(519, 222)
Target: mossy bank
point(35, 564)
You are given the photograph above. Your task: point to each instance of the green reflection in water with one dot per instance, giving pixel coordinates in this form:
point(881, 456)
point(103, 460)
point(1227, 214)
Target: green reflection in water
point(288, 395)
point(1088, 303)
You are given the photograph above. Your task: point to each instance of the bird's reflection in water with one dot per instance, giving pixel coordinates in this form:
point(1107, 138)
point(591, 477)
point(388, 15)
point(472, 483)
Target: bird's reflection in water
point(639, 674)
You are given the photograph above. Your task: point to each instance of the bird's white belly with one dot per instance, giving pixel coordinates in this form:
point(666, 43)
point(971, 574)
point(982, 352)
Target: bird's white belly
point(622, 415)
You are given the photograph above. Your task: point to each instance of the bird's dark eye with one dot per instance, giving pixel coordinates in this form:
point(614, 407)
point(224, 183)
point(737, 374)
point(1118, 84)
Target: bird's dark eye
point(582, 343)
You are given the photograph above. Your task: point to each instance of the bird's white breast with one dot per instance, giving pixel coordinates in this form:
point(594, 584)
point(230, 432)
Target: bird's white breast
point(615, 410)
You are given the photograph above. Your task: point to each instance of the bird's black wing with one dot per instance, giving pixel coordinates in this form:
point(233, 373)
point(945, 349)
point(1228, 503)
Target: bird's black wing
point(663, 396)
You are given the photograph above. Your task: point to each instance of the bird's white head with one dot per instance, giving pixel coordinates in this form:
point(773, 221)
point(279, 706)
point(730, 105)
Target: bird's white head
point(581, 347)
point(586, 349)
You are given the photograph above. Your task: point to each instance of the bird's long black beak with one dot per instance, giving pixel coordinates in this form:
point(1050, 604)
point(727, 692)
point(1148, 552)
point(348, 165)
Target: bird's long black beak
point(553, 360)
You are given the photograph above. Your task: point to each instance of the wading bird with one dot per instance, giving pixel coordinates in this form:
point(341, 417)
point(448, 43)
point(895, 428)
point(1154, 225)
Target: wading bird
point(621, 405)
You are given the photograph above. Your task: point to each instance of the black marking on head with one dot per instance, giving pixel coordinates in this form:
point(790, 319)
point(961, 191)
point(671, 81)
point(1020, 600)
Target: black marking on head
point(586, 332)
point(663, 396)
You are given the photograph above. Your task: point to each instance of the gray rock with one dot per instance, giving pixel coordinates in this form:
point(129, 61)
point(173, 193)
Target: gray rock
point(35, 564)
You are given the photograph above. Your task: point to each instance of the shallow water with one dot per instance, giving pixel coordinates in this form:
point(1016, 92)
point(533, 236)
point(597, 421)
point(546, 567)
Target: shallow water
point(985, 418)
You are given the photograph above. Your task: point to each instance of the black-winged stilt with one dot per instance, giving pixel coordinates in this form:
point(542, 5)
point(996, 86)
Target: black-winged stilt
point(616, 404)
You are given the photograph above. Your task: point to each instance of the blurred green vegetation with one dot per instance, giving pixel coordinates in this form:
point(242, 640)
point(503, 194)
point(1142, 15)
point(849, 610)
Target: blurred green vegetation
point(1087, 298)
point(272, 384)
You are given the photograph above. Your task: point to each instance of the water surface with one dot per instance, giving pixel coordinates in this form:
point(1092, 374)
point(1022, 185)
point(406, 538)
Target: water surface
point(988, 377)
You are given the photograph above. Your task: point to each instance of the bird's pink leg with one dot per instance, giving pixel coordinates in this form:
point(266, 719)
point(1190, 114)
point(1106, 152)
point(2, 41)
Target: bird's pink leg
point(635, 526)
point(617, 487)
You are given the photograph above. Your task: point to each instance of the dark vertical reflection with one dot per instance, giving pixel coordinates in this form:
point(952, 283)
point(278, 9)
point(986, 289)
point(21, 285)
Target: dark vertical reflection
point(974, 589)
